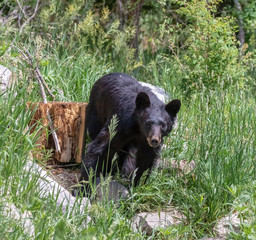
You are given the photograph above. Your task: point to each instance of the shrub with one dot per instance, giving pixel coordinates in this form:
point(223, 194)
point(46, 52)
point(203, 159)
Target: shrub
point(205, 48)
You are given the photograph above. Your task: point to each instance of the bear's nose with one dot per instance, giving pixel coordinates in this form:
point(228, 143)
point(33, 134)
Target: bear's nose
point(155, 142)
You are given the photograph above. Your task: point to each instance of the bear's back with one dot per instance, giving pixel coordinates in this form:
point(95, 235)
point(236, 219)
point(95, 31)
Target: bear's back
point(121, 85)
point(116, 93)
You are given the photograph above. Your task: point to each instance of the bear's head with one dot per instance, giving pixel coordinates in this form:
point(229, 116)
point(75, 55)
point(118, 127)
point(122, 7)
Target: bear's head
point(155, 119)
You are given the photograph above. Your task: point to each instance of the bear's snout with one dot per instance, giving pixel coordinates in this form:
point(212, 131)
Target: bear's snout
point(154, 138)
point(154, 142)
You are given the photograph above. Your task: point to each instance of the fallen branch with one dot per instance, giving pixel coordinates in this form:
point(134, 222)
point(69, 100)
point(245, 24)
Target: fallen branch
point(42, 83)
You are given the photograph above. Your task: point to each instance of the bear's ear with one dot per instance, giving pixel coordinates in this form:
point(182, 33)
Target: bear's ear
point(173, 107)
point(142, 101)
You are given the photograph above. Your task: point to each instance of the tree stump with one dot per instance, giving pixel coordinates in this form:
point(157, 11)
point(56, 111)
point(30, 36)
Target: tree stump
point(69, 123)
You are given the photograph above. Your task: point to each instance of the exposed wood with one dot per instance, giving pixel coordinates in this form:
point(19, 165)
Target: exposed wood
point(68, 121)
point(80, 133)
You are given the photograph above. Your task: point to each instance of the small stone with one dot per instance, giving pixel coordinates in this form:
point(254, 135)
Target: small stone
point(149, 221)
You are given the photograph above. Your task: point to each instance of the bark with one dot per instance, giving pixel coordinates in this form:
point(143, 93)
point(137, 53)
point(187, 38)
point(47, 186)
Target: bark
point(240, 23)
point(121, 12)
point(135, 43)
point(129, 14)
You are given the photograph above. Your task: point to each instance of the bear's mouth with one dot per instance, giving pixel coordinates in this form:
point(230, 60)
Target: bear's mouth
point(154, 142)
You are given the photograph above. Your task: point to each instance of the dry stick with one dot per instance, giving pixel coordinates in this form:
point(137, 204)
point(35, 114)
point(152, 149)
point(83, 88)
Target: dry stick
point(54, 135)
point(39, 77)
point(44, 83)
point(176, 17)
point(62, 166)
point(23, 11)
point(177, 58)
point(30, 18)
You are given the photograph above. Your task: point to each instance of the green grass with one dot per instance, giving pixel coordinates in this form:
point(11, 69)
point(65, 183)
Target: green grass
point(215, 129)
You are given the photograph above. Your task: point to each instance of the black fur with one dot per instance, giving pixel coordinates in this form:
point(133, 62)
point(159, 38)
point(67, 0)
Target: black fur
point(143, 122)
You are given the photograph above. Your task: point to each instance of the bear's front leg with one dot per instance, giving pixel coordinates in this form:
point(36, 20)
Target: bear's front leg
point(146, 158)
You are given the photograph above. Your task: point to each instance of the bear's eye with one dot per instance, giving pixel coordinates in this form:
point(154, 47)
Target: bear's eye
point(149, 123)
point(163, 126)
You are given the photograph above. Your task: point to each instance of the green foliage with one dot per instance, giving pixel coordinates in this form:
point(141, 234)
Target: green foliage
point(95, 31)
point(208, 57)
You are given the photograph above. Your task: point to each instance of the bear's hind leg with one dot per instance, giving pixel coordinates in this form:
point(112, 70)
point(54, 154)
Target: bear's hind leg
point(94, 157)
point(92, 123)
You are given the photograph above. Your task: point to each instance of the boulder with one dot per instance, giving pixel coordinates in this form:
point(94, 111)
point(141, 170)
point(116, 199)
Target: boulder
point(158, 91)
point(52, 189)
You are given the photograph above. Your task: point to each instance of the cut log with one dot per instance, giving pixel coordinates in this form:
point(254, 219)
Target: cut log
point(69, 123)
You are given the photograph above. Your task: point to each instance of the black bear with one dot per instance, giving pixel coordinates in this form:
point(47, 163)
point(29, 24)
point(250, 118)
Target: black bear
point(143, 121)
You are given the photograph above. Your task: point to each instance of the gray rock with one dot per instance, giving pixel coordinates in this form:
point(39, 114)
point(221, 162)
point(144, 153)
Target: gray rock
point(22, 218)
point(51, 188)
point(6, 79)
point(151, 221)
point(158, 91)
point(227, 224)
point(110, 190)
point(184, 167)
point(212, 238)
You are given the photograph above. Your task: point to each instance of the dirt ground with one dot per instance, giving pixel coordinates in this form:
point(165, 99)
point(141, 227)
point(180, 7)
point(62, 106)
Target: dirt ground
point(67, 177)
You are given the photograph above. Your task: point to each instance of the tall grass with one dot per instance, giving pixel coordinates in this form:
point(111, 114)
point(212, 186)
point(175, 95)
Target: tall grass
point(216, 130)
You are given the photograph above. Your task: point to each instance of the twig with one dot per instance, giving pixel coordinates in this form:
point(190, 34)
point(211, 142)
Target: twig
point(30, 18)
point(176, 17)
point(62, 166)
point(23, 11)
point(2, 9)
point(39, 77)
point(44, 83)
point(177, 58)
